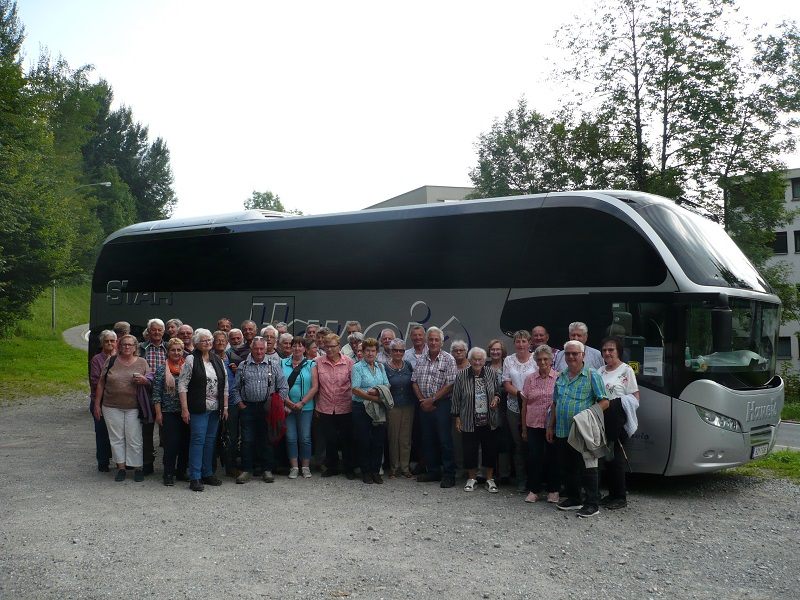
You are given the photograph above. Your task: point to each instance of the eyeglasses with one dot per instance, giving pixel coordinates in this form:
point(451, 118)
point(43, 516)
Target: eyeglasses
point(572, 353)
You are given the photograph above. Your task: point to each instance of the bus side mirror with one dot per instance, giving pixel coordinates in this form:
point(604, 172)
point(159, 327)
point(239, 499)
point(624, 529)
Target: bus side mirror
point(722, 325)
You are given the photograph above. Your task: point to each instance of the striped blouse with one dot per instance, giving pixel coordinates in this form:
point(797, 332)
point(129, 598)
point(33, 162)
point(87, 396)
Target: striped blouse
point(463, 404)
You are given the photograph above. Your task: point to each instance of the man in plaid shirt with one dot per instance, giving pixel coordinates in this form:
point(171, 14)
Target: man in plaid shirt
point(432, 382)
point(154, 351)
point(576, 389)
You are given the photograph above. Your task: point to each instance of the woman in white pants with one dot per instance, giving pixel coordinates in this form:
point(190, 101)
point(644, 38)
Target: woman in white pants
point(116, 400)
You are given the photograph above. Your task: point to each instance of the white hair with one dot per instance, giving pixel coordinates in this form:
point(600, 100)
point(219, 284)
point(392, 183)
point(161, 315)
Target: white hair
point(475, 350)
point(286, 336)
point(458, 344)
point(234, 330)
point(269, 328)
point(578, 326)
point(158, 322)
point(356, 336)
point(200, 333)
point(107, 334)
point(390, 330)
point(397, 344)
point(544, 349)
point(435, 330)
point(574, 344)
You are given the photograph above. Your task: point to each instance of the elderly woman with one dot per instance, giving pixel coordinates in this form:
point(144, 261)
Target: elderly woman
point(116, 400)
point(171, 328)
point(400, 420)
point(537, 393)
point(620, 381)
point(285, 341)
point(459, 351)
point(203, 392)
point(476, 397)
point(312, 350)
point(167, 405)
point(369, 437)
point(108, 340)
point(516, 367)
point(301, 377)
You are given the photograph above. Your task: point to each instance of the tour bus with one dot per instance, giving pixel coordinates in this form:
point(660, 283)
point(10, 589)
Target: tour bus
point(699, 323)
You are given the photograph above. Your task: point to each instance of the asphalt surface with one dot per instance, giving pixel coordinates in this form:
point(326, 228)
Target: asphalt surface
point(69, 531)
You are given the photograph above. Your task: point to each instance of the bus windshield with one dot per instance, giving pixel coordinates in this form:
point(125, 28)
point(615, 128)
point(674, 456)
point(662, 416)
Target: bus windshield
point(703, 249)
point(750, 358)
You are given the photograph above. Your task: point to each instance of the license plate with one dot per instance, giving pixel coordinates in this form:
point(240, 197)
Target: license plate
point(757, 451)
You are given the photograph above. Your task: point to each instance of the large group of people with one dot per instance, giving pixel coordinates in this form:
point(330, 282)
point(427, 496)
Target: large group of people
point(255, 403)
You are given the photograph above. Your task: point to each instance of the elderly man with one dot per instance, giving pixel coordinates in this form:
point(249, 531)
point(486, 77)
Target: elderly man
point(237, 352)
point(154, 351)
point(335, 406)
point(385, 353)
point(580, 333)
point(256, 380)
point(311, 331)
point(185, 333)
point(350, 328)
point(418, 347)
point(576, 389)
point(121, 328)
point(432, 383)
point(249, 330)
point(224, 324)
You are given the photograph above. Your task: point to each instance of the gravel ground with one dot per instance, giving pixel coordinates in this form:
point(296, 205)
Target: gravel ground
point(67, 531)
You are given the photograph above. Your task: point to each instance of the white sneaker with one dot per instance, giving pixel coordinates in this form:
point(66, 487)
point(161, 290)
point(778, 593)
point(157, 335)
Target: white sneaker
point(294, 472)
point(470, 486)
point(306, 472)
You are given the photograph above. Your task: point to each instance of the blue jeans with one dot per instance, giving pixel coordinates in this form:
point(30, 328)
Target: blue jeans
point(298, 427)
point(202, 440)
point(368, 440)
point(437, 439)
point(256, 448)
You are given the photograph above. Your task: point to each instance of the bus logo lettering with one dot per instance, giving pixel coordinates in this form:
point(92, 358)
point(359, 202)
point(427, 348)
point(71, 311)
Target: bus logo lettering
point(761, 411)
point(116, 293)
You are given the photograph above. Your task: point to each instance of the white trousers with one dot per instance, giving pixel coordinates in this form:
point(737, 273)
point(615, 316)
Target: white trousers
point(125, 435)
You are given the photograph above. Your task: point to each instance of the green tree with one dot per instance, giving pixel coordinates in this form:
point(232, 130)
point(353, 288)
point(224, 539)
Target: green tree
point(35, 228)
point(528, 153)
point(268, 201)
point(690, 103)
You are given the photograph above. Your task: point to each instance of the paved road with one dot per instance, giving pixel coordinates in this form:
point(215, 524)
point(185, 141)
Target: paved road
point(77, 336)
point(789, 435)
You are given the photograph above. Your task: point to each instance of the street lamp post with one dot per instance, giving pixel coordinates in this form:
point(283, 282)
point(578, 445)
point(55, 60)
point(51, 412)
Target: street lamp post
point(53, 302)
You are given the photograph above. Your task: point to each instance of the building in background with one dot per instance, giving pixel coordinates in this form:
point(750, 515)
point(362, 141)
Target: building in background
point(427, 194)
point(787, 249)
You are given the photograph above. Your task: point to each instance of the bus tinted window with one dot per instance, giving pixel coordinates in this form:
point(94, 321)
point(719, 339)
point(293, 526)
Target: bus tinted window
point(526, 248)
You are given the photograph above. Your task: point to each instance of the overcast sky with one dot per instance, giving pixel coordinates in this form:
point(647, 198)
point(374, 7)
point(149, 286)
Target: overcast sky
point(332, 105)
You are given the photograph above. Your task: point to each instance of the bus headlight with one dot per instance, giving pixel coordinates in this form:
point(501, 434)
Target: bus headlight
point(718, 420)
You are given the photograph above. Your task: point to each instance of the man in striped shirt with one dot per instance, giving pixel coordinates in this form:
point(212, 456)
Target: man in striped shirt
point(576, 389)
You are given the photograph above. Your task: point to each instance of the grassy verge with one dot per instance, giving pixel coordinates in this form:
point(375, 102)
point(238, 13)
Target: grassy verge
point(791, 412)
point(784, 464)
point(36, 361)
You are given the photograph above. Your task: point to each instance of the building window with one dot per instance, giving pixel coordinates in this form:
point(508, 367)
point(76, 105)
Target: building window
point(781, 244)
point(796, 189)
point(785, 347)
point(797, 242)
